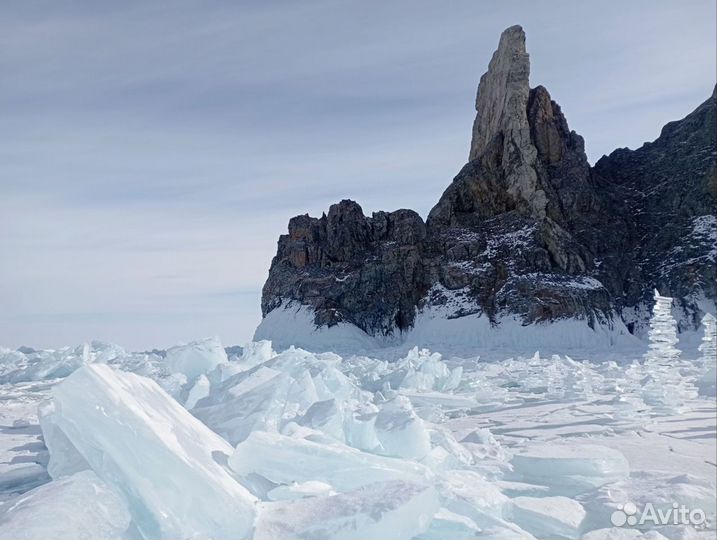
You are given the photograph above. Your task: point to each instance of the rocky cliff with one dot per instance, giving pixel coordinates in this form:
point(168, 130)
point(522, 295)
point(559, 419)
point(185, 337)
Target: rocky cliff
point(527, 227)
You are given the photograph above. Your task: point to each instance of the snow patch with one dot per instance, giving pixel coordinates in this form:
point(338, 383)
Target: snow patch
point(435, 329)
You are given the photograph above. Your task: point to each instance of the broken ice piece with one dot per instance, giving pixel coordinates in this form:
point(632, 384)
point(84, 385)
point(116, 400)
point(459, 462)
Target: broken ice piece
point(196, 357)
point(76, 507)
point(251, 400)
point(547, 517)
point(299, 490)
point(64, 460)
point(570, 469)
point(199, 390)
point(400, 431)
point(468, 493)
point(446, 524)
point(326, 416)
point(285, 460)
point(394, 509)
point(146, 445)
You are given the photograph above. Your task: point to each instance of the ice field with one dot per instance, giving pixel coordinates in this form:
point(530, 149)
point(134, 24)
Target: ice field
point(97, 442)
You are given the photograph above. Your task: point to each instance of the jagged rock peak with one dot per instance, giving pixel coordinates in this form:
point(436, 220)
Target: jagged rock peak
point(501, 131)
point(527, 228)
point(502, 173)
point(503, 92)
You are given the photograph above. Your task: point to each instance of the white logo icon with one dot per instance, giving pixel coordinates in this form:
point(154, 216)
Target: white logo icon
point(625, 514)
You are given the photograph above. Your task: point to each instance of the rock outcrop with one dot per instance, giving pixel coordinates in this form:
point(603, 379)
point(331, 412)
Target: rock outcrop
point(526, 228)
point(667, 188)
point(350, 268)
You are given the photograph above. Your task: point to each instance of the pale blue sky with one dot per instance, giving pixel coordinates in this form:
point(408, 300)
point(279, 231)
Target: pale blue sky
point(152, 152)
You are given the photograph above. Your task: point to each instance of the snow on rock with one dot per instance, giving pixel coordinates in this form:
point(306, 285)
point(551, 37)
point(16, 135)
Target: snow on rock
point(569, 468)
point(437, 328)
point(76, 507)
point(285, 460)
point(548, 517)
point(145, 444)
point(292, 324)
point(392, 509)
point(196, 357)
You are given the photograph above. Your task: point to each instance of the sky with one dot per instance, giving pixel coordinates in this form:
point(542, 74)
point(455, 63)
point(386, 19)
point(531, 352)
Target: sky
point(153, 152)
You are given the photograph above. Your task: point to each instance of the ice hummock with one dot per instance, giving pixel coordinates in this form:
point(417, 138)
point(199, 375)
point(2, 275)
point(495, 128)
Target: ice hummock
point(76, 507)
point(299, 490)
point(707, 381)
point(663, 387)
point(196, 357)
point(548, 517)
point(253, 400)
point(393, 509)
point(401, 432)
point(200, 389)
point(167, 464)
point(447, 524)
point(64, 459)
point(276, 391)
point(18, 366)
point(284, 460)
point(502, 442)
point(570, 469)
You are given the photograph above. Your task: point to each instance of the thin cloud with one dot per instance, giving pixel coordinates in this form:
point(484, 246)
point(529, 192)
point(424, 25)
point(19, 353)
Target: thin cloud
point(152, 153)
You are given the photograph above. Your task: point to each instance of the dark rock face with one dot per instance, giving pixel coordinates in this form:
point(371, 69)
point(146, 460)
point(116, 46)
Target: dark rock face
point(527, 227)
point(365, 270)
point(668, 188)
